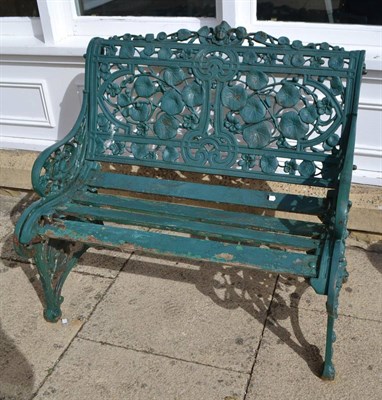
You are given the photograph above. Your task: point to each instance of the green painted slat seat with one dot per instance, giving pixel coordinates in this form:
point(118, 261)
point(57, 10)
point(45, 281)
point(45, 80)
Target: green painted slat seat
point(187, 212)
point(157, 243)
point(208, 192)
point(222, 231)
point(220, 103)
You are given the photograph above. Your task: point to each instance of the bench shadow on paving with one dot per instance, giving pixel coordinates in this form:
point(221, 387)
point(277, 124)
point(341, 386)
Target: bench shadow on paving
point(240, 288)
point(17, 368)
point(374, 252)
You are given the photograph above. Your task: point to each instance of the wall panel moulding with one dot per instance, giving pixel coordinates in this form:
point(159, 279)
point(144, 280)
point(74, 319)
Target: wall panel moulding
point(25, 103)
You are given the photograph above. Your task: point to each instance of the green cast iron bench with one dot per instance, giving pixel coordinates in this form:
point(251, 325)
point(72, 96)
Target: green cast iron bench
point(219, 102)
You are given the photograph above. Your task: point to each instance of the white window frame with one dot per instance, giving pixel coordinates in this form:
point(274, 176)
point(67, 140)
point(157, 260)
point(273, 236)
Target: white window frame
point(23, 26)
point(60, 31)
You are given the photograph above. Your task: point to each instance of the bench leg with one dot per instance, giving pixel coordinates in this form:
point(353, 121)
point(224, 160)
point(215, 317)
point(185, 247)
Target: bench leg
point(329, 372)
point(337, 276)
point(54, 260)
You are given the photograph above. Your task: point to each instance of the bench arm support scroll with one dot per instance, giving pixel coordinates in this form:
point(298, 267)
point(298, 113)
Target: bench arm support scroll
point(343, 204)
point(59, 165)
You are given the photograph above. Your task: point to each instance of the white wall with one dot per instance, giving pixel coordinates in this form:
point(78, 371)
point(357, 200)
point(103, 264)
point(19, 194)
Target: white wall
point(40, 98)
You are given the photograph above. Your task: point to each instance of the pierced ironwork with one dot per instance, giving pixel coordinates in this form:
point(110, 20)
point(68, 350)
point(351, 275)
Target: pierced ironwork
point(54, 260)
point(59, 165)
point(274, 109)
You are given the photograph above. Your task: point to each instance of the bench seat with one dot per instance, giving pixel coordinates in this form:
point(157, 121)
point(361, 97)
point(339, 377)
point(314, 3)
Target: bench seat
point(287, 246)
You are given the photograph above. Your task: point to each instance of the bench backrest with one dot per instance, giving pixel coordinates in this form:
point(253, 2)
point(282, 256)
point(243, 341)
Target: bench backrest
point(225, 102)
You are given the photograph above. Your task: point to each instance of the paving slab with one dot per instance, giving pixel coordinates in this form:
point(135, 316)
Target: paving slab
point(7, 251)
point(4, 229)
point(7, 203)
point(196, 312)
point(11, 208)
point(106, 263)
point(361, 295)
point(30, 346)
point(95, 371)
point(290, 358)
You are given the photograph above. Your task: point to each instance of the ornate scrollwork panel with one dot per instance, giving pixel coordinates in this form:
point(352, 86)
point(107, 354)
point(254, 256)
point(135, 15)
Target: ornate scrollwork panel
point(58, 165)
point(274, 108)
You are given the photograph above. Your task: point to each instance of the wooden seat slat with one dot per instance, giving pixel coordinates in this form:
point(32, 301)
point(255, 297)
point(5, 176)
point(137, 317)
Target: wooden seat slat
point(200, 249)
point(208, 214)
point(208, 192)
point(194, 227)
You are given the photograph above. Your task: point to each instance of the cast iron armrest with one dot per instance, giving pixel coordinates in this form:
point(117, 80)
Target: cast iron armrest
point(343, 203)
point(59, 165)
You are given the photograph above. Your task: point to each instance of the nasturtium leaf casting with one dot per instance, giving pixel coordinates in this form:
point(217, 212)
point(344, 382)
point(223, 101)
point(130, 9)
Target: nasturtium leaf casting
point(269, 164)
point(190, 121)
point(148, 50)
point(140, 151)
point(232, 122)
point(292, 127)
point(316, 62)
point(149, 37)
point(333, 140)
point(253, 111)
point(164, 53)
point(123, 99)
point(336, 62)
point(250, 57)
point(336, 85)
point(192, 94)
point(324, 46)
point(140, 111)
point(144, 86)
point(290, 167)
point(324, 106)
point(247, 161)
point(308, 114)
point(298, 60)
point(173, 76)
point(307, 169)
point(184, 34)
point(103, 123)
point(203, 31)
point(297, 44)
point(166, 127)
point(283, 40)
point(170, 154)
point(142, 129)
point(288, 95)
point(127, 50)
point(113, 89)
point(257, 136)
point(257, 80)
point(117, 148)
point(104, 67)
point(172, 102)
point(234, 97)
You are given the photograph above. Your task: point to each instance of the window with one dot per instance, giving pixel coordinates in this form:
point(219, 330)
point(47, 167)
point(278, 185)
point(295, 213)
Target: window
point(64, 27)
point(19, 8)
point(365, 12)
point(157, 8)
point(20, 17)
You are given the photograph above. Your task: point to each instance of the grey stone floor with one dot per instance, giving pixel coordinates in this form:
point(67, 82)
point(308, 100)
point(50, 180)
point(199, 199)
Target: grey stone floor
point(140, 327)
